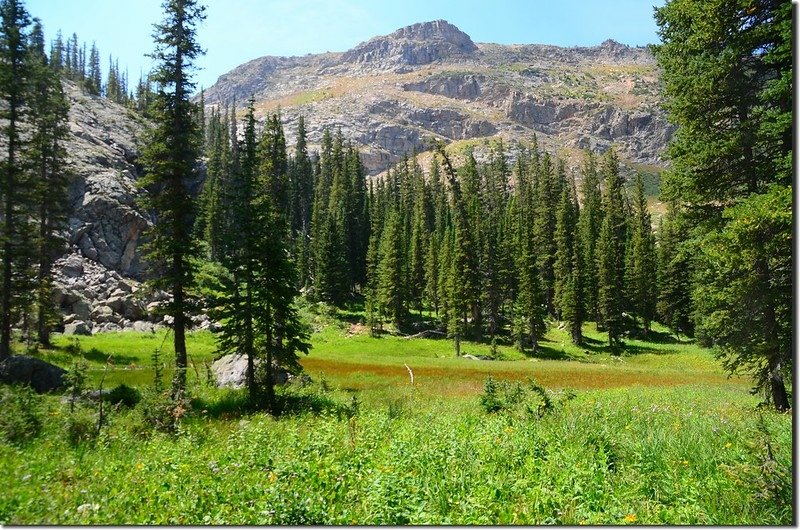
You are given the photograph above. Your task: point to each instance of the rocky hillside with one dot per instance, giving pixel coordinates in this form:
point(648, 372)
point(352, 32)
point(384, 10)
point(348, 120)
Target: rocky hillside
point(97, 283)
point(392, 93)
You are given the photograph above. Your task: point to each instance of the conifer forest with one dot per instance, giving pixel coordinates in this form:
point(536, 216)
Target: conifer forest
point(422, 281)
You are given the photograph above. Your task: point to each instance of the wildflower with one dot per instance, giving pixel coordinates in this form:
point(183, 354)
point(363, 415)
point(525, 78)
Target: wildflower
point(727, 445)
point(139, 466)
point(630, 518)
point(685, 462)
point(272, 476)
point(508, 430)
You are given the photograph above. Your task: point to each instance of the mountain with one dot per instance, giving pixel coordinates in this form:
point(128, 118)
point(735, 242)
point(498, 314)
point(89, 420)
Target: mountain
point(392, 93)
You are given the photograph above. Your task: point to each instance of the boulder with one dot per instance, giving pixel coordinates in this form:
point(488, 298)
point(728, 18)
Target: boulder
point(40, 375)
point(231, 371)
point(77, 327)
point(73, 266)
point(142, 326)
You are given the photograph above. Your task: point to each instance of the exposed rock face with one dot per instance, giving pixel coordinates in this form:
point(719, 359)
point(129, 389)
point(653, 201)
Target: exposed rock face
point(391, 94)
point(105, 224)
point(38, 374)
point(418, 44)
point(231, 371)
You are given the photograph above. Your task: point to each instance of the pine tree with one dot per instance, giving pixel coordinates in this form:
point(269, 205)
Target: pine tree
point(169, 158)
point(391, 284)
point(567, 268)
point(14, 75)
point(46, 154)
point(641, 283)
point(674, 303)
point(591, 220)
point(611, 252)
point(93, 81)
point(57, 52)
point(727, 78)
point(546, 194)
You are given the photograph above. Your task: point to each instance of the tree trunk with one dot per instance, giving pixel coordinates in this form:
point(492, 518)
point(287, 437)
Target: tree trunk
point(777, 386)
point(179, 330)
point(248, 339)
point(577, 335)
point(270, 385)
point(8, 235)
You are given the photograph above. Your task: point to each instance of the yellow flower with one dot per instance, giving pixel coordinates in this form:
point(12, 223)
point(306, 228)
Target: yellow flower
point(139, 466)
point(583, 522)
point(727, 445)
point(508, 430)
point(272, 476)
point(685, 462)
point(630, 518)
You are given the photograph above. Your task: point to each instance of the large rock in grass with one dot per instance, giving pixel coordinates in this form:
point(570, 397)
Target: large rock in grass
point(231, 371)
point(38, 374)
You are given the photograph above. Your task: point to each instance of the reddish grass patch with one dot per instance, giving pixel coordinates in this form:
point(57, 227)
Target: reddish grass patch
point(468, 380)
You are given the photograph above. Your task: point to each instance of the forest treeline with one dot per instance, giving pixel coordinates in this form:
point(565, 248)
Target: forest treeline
point(490, 251)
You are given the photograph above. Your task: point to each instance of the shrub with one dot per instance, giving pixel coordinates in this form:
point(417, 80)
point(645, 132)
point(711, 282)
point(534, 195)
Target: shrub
point(530, 399)
point(124, 395)
point(80, 426)
point(20, 414)
point(157, 412)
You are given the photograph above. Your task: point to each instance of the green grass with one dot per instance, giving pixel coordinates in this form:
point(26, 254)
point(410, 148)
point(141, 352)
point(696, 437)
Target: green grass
point(658, 435)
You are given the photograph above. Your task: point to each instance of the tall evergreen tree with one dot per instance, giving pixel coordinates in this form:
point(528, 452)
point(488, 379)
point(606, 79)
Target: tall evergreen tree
point(641, 283)
point(14, 76)
point(674, 300)
point(48, 108)
point(589, 225)
point(611, 252)
point(170, 156)
point(728, 87)
point(93, 81)
point(391, 281)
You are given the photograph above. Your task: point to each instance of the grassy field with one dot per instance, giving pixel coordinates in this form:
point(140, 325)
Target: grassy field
point(657, 435)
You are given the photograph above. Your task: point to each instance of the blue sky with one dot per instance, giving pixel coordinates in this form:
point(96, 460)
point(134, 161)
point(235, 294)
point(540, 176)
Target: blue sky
point(236, 31)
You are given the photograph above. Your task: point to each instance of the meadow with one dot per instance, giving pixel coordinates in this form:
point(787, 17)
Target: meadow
point(657, 435)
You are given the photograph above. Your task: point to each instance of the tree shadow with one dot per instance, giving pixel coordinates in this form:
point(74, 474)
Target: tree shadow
point(101, 357)
point(290, 400)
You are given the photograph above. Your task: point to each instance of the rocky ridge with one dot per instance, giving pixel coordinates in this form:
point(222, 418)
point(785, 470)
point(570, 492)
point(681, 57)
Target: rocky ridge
point(392, 93)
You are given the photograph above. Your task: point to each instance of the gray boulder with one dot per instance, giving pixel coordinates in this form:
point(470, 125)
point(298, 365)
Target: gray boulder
point(231, 371)
point(40, 375)
point(77, 328)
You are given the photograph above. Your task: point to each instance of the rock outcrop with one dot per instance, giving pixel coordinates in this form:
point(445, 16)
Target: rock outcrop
point(105, 224)
point(417, 44)
point(36, 373)
point(231, 371)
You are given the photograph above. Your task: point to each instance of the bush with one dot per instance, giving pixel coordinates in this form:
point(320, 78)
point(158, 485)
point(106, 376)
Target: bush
point(80, 426)
point(20, 414)
point(157, 412)
point(124, 395)
point(530, 399)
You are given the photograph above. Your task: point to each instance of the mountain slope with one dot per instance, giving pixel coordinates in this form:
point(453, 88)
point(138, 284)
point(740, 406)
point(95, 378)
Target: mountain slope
point(391, 93)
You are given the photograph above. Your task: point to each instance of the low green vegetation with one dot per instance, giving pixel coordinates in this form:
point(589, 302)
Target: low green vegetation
point(575, 435)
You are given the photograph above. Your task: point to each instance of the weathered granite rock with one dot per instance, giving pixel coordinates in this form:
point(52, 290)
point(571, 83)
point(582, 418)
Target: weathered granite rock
point(38, 374)
point(78, 327)
point(231, 370)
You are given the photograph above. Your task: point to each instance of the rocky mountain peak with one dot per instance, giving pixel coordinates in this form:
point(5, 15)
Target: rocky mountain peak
point(433, 31)
point(421, 43)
